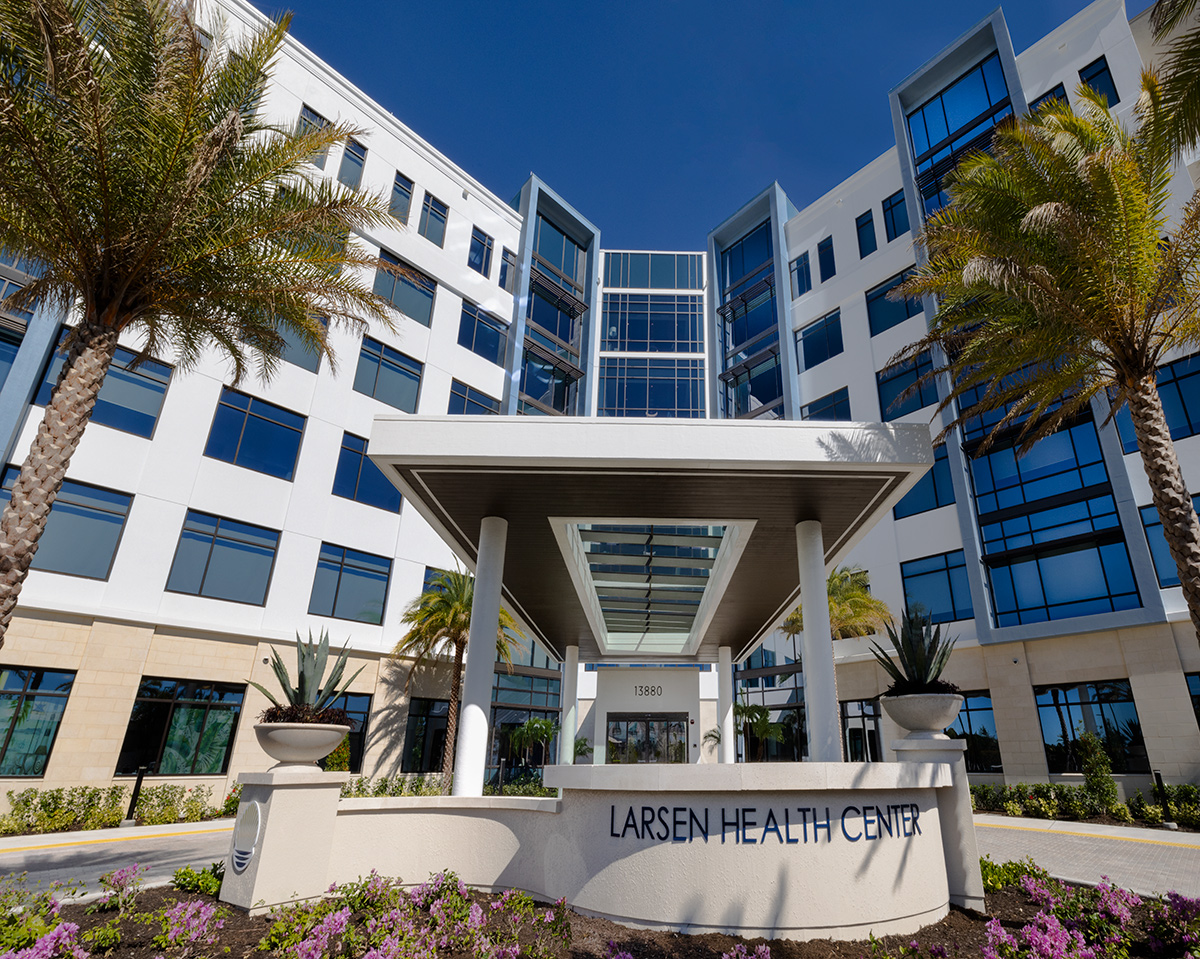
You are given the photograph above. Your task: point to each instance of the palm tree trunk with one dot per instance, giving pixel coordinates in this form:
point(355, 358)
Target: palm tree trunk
point(1168, 490)
point(42, 473)
point(452, 717)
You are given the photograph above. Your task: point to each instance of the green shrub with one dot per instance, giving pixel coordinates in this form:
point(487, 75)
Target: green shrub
point(1041, 808)
point(1152, 814)
point(206, 881)
point(405, 784)
point(290, 925)
point(27, 914)
point(58, 810)
point(1121, 811)
point(338, 761)
point(105, 937)
point(1098, 782)
point(1012, 807)
point(998, 875)
point(230, 806)
point(1074, 803)
point(167, 803)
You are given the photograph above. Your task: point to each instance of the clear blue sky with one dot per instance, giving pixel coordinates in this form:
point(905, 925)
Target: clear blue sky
point(656, 119)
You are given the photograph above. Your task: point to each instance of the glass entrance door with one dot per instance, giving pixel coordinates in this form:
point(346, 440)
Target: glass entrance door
point(647, 738)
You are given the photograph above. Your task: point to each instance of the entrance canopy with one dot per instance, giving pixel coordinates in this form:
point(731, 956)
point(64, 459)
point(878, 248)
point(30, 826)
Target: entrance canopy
point(643, 540)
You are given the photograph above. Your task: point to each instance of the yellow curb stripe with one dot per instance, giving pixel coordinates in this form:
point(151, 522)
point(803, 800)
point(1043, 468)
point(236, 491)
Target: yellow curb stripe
point(93, 842)
point(1091, 835)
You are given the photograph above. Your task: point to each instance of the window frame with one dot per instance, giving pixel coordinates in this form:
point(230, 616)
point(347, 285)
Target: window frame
point(879, 292)
point(363, 461)
point(174, 702)
point(431, 213)
point(914, 368)
point(310, 118)
point(424, 283)
point(467, 399)
point(864, 226)
point(951, 560)
point(478, 317)
point(17, 714)
point(508, 271)
point(486, 244)
point(346, 550)
point(821, 325)
point(890, 225)
point(939, 478)
point(247, 412)
point(382, 353)
point(406, 187)
point(208, 559)
point(835, 399)
point(355, 158)
point(826, 261)
point(1069, 728)
point(800, 272)
point(1099, 67)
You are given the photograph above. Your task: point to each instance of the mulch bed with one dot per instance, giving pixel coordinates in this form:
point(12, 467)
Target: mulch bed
point(959, 934)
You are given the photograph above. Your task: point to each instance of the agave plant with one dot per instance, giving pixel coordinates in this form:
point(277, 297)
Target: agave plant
point(309, 701)
point(922, 652)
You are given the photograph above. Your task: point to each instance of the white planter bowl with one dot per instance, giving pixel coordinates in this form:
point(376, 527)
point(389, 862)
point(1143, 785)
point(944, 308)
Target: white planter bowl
point(924, 715)
point(299, 742)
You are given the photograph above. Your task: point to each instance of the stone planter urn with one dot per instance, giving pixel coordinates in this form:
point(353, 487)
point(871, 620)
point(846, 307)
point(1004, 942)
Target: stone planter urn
point(923, 715)
point(299, 743)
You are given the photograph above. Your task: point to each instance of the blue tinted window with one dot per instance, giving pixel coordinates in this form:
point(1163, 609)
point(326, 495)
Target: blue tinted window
point(976, 725)
point(895, 216)
point(1179, 389)
point(832, 406)
point(882, 313)
point(180, 727)
point(865, 226)
point(546, 383)
point(508, 271)
point(255, 434)
point(750, 323)
point(651, 387)
point(653, 323)
point(746, 261)
point(388, 375)
point(130, 398)
point(937, 587)
point(296, 352)
point(1097, 76)
point(223, 559)
point(1037, 527)
point(656, 271)
point(825, 259)
point(818, 341)
point(433, 220)
point(896, 380)
point(350, 585)
point(359, 479)
point(32, 702)
point(354, 157)
point(1193, 682)
point(1062, 462)
point(483, 333)
point(1058, 94)
point(82, 530)
point(932, 490)
point(801, 275)
point(1164, 565)
point(410, 292)
point(468, 401)
point(10, 343)
point(311, 120)
point(553, 248)
point(401, 200)
point(552, 318)
point(755, 388)
point(1105, 707)
point(479, 256)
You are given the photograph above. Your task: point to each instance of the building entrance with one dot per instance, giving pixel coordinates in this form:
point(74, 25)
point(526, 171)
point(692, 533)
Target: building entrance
point(647, 738)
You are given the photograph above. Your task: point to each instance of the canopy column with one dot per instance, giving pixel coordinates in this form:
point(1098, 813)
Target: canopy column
point(470, 755)
point(570, 707)
point(816, 648)
point(727, 750)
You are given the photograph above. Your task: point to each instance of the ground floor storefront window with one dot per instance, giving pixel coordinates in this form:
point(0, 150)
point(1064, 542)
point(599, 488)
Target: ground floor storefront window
point(425, 735)
point(646, 738)
point(181, 727)
point(1105, 708)
point(976, 726)
point(860, 730)
point(32, 702)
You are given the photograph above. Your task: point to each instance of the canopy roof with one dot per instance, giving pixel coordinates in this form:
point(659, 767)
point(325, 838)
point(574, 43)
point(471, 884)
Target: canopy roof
point(647, 540)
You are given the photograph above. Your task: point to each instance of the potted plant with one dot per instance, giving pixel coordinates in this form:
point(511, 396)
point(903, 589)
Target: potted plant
point(306, 727)
point(919, 700)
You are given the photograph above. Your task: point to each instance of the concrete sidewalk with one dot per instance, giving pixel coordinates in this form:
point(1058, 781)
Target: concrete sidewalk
point(1147, 861)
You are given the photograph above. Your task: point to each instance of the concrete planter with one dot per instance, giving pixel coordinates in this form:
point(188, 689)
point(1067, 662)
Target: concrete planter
point(289, 743)
point(924, 715)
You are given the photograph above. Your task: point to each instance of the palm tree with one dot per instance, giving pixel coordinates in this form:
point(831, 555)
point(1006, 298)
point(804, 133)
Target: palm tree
point(440, 619)
point(534, 732)
point(1181, 66)
point(1055, 286)
point(853, 610)
point(144, 193)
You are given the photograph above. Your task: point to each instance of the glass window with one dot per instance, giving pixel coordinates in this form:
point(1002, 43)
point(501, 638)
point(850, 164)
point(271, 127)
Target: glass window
point(1059, 94)
point(508, 271)
point(181, 727)
point(825, 259)
point(1058, 583)
point(1193, 683)
point(358, 710)
point(479, 256)
point(255, 434)
point(832, 406)
point(895, 216)
point(549, 386)
point(32, 702)
point(882, 313)
point(895, 381)
point(82, 531)
point(976, 725)
point(1020, 528)
point(865, 225)
point(747, 261)
point(1105, 708)
point(8, 286)
point(10, 343)
point(311, 120)
point(818, 341)
point(1164, 565)
point(755, 388)
point(1097, 76)
point(554, 319)
point(223, 559)
point(402, 190)
point(359, 479)
point(433, 220)
point(131, 396)
point(937, 586)
point(1179, 389)
point(632, 386)
point(354, 158)
point(801, 275)
point(296, 352)
point(653, 323)
point(350, 585)
point(860, 731)
point(424, 735)
point(1063, 462)
point(388, 375)
point(466, 400)
point(410, 292)
point(656, 271)
point(932, 490)
point(483, 333)
point(554, 249)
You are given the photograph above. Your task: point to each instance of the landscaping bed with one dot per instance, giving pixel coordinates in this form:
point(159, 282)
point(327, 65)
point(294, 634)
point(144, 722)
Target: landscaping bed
point(1029, 915)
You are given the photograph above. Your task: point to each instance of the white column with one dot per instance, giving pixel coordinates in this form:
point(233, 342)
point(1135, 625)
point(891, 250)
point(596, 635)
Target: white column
point(727, 751)
point(470, 755)
point(570, 707)
point(816, 648)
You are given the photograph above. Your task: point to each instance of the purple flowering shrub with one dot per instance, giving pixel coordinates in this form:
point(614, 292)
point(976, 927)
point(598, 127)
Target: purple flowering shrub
point(1098, 918)
point(1173, 928)
point(187, 927)
point(121, 888)
point(28, 915)
point(739, 951)
point(61, 942)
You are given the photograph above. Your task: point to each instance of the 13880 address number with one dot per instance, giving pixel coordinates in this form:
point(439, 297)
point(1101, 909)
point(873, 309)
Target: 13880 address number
point(647, 690)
